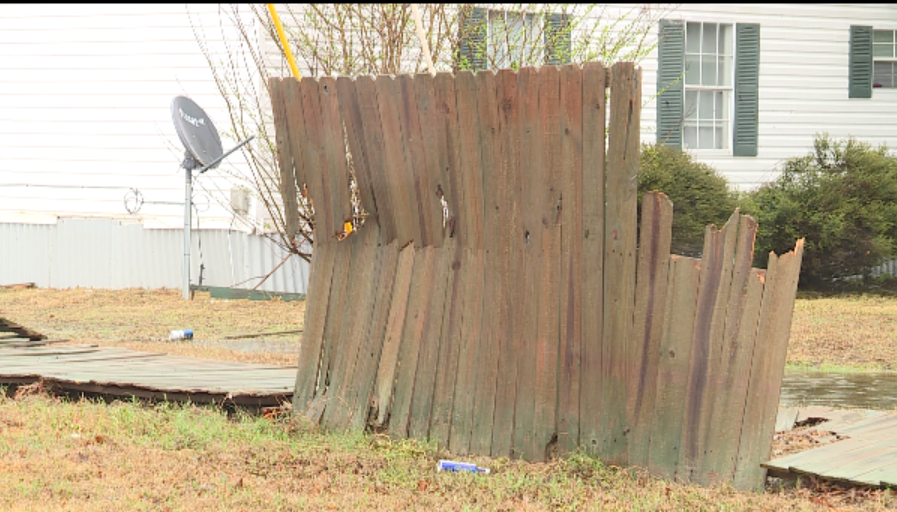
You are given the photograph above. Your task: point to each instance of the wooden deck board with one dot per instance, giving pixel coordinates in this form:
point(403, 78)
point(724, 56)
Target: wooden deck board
point(116, 371)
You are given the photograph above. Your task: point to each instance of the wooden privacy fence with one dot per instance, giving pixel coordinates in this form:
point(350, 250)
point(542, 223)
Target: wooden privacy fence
point(490, 302)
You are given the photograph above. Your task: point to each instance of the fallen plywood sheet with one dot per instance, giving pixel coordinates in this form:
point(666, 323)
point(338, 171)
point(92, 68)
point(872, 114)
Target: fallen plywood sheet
point(116, 371)
point(867, 457)
point(9, 330)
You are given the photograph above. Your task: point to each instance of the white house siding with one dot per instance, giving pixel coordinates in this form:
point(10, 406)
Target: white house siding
point(803, 82)
point(85, 92)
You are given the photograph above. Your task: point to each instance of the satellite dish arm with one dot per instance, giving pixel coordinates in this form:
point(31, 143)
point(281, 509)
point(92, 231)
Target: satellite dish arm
point(215, 162)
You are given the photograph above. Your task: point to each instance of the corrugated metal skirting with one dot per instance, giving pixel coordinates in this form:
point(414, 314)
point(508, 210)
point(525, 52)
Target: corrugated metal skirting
point(104, 253)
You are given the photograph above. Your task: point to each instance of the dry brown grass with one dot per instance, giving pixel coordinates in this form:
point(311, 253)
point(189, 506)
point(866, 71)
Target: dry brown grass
point(846, 332)
point(74, 456)
point(141, 320)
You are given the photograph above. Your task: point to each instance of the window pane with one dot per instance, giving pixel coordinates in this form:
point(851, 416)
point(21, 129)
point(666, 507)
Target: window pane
point(725, 39)
point(705, 105)
point(722, 136)
point(725, 71)
point(708, 41)
point(883, 36)
point(690, 136)
point(691, 104)
point(883, 50)
point(708, 70)
point(705, 137)
point(722, 105)
point(693, 38)
point(883, 74)
point(692, 70)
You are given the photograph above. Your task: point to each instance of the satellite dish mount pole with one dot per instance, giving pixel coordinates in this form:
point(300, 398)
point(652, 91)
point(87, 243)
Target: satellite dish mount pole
point(189, 164)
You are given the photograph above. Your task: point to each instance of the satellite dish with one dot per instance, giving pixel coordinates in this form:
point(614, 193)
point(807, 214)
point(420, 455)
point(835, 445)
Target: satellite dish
point(202, 150)
point(197, 133)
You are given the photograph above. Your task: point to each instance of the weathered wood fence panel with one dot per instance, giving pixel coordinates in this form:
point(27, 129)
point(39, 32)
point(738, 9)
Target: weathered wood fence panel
point(496, 299)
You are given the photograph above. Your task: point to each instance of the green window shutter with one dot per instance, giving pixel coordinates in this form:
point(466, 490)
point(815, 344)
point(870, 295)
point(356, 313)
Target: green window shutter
point(670, 79)
point(860, 62)
point(557, 39)
point(473, 38)
point(747, 89)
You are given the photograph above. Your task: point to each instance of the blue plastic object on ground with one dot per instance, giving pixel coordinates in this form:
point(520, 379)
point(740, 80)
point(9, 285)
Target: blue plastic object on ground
point(450, 465)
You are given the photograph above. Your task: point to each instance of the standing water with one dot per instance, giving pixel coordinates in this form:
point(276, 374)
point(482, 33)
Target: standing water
point(840, 390)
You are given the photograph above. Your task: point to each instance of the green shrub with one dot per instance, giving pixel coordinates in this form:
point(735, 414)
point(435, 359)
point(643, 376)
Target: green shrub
point(843, 198)
point(700, 195)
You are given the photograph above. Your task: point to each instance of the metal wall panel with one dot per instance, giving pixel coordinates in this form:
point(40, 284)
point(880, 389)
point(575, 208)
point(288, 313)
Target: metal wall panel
point(106, 253)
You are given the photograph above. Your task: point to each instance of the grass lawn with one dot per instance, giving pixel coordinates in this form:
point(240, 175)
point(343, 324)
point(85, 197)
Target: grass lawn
point(58, 454)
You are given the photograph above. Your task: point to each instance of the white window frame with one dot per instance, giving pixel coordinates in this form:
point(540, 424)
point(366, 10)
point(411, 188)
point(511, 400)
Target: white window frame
point(728, 151)
point(892, 60)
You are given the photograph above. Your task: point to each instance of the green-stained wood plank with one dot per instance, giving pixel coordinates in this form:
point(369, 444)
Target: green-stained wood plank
point(509, 264)
point(449, 348)
point(335, 153)
point(767, 367)
point(425, 378)
point(285, 155)
point(673, 365)
point(735, 360)
point(397, 181)
point(650, 300)
point(422, 281)
point(491, 338)
point(531, 235)
point(392, 338)
point(549, 209)
point(434, 161)
point(594, 91)
point(728, 236)
point(415, 164)
point(619, 257)
point(316, 306)
point(350, 112)
point(883, 454)
point(570, 349)
point(468, 358)
point(314, 155)
point(471, 212)
point(374, 144)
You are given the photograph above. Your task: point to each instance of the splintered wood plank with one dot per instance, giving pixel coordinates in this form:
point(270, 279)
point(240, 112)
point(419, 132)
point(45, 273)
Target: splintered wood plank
point(354, 335)
point(449, 133)
point(594, 89)
point(530, 160)
point(343, 262)
point(449, 349)
point(401, 190)
point(422, 282)
point(767, 367)
point(285, 155)
point(468, 358)
point(315, 160)
point(699, 369)
point(316, 305)
point(374, 144)
point(392, 338)
point(434, 159)
point(728, 238)
point(425, 378)
point(471, 212)
point(344, 340)
point(731, 385)
point(509, 265)
point(549, 209)
point(672, 368)
point(335, 153)
point(570, 348)
point(416, 175)
point(350, 111)
point(650, 300)
point(490, 340)
point(619, 256)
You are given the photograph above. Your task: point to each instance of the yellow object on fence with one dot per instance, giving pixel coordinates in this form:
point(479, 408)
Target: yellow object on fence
point(283, 41)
